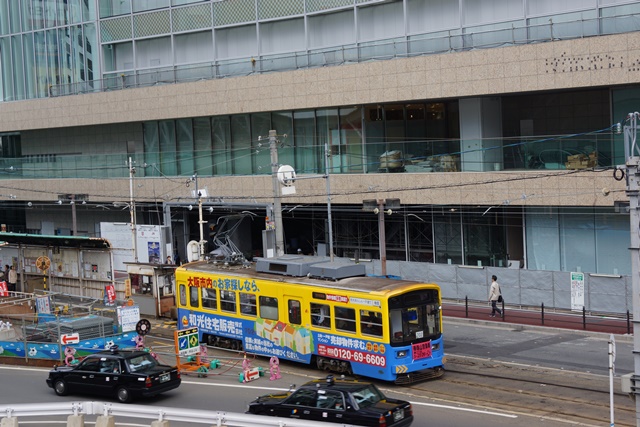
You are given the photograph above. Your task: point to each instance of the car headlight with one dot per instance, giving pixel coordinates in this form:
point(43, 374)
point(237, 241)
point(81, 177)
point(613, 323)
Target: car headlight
point(400, 354)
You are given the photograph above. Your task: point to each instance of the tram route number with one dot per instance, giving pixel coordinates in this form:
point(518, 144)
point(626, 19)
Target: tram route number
point(352, 355)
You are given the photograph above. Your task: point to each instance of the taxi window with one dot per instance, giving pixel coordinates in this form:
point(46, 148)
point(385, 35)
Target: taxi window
point(330, 399)
point(110, 366)
point(92, 364)
point(303, 397)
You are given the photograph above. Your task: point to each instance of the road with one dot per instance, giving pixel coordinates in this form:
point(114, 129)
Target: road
point(498, 374)
point(224, 392)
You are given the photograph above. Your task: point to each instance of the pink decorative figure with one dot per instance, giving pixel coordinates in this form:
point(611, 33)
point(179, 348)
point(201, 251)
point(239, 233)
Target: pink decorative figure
point(274, 368)
point(246, 367)
point(203, 354)
point(139, 340)
point(69, 352)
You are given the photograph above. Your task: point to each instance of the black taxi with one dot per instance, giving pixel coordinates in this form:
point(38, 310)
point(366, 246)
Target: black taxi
point(123, 374)
point(337, 401)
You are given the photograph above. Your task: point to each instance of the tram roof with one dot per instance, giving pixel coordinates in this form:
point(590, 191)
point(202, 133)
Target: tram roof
point(358, 283)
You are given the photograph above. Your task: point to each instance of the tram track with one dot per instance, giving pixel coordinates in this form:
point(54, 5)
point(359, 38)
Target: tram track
point(576, 398)
point(570, 396)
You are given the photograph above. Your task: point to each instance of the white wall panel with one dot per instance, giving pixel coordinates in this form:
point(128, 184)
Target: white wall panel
point(153, 52)
point(381, 22)
point(282, 36)
point(432, 15)
point(545, 7)
point(236, 42)
point(193, 47)
point(477, 12)
point(331, 30)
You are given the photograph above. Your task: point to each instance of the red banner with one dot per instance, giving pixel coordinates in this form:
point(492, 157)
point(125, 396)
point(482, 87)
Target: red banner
point(109, 295)
point(4, 290)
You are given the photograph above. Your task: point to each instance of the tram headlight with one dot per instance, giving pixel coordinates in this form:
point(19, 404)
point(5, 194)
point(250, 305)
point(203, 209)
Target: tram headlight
point(400, 354)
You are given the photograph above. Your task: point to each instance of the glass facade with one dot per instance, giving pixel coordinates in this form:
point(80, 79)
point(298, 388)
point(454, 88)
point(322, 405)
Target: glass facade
point(47, 48)
point(572, 239)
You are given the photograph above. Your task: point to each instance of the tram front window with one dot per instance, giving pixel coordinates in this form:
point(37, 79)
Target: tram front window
point(411, 324)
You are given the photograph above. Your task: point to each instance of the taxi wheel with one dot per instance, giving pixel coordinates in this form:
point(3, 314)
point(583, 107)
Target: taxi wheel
point(123, 395)
point(60, 388)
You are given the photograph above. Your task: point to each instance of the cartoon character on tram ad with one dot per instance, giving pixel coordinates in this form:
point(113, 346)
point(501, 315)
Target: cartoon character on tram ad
point(70, 358)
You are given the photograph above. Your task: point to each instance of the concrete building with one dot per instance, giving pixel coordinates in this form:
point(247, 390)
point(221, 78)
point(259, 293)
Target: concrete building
point(492, 121)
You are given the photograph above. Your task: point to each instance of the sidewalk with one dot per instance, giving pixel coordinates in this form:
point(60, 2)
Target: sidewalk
point(573, 320)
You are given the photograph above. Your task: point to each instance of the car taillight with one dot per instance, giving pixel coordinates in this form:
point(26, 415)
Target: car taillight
point(147, 382)
point(382, 421)
point(408, 411)
point(178, 374)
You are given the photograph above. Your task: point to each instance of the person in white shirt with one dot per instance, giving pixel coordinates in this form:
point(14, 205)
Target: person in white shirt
point(12, 279)
point(494, 293)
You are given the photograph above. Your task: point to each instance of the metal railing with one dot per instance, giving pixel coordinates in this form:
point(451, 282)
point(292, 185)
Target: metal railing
point(454, 40)
point(104, 409)
point(547, 152)
point(580, 319)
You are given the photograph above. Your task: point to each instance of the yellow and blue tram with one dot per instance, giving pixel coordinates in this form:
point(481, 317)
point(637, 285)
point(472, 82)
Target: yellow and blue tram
point(382, 328)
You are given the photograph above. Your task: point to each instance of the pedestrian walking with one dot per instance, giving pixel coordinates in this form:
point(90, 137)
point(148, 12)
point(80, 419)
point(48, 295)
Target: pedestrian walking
point(13, 279)
point(494, 295)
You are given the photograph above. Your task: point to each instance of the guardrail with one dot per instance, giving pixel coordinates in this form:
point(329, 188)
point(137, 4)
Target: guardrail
point(104, 410)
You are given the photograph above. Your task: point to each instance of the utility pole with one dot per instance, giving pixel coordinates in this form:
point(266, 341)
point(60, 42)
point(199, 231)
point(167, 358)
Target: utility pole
point(330, 226)
point(277, 206)
point(633, 190)
point(200, 220)
point(132, 211)
point(74, 221)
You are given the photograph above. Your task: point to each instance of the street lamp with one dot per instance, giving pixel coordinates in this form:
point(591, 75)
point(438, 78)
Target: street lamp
point(377, 206)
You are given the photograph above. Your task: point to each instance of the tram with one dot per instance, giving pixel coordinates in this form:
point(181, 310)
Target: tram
point(313, 311)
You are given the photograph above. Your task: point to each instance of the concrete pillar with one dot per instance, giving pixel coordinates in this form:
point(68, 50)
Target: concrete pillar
point(9, 422)
point(480, 134)
point(159, 424)
point(75, 420)
point(106, 421)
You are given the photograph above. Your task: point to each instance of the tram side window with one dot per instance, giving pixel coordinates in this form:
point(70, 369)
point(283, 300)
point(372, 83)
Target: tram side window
point(295, 313)
point(193, 296)
point(210, 298)
point(371, 323)
point(248, 304)
point(345, 319)
point(269, 308)
point(228, 301)
point(183, 294)
point(320, 315)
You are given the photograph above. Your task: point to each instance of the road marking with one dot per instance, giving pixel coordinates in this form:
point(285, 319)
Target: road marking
point(479, 411)
point(457, 408)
